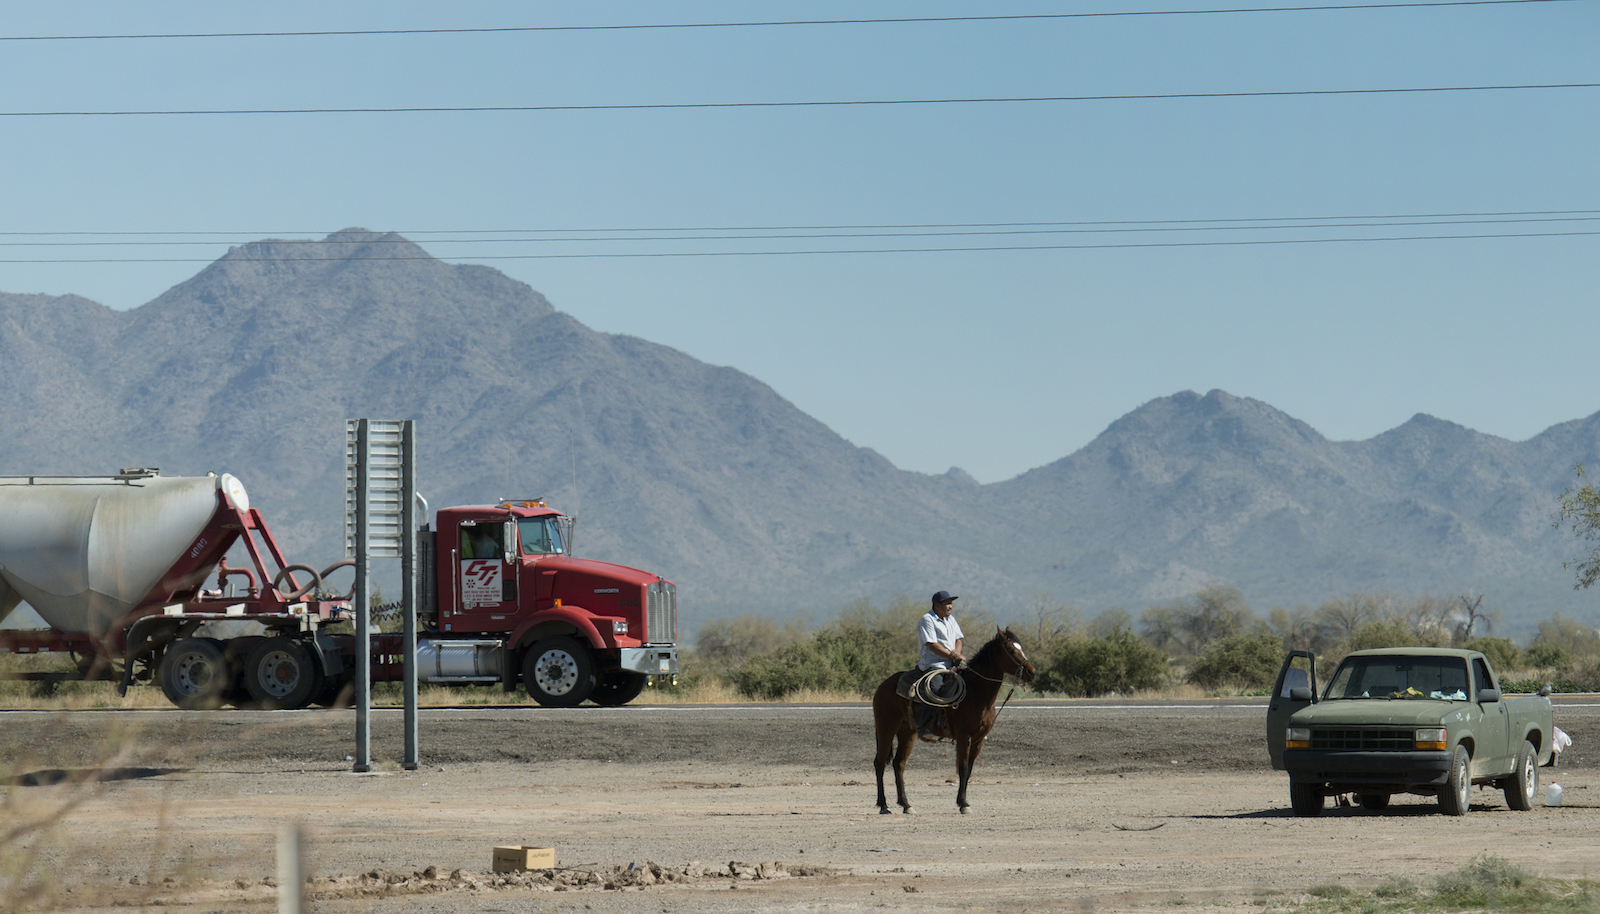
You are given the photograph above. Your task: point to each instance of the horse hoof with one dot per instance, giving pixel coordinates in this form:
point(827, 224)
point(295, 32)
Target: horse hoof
point(909, 811)
point(884, 811)
point(966, 809)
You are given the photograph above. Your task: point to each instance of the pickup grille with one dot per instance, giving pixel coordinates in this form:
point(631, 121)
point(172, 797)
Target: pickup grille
point(661, 613)
point(1370, 740)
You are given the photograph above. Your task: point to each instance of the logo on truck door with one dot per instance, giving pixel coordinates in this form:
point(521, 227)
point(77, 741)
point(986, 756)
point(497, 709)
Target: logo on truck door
point(480, 581)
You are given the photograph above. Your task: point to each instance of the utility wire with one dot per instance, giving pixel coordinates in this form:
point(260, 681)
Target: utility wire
point(478, 109)
point(768, 236)
point(775, 23)
point(793, 253)
point(842, 227)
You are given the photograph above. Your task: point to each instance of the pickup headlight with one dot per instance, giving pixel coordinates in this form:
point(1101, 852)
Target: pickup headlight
point(1298, 738)
point(619, 627)
point(1430, 738)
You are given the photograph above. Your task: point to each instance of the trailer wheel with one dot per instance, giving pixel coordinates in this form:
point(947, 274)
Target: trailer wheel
point(281, 673)
point(194, 674)
point(558, 673)
point(617, 687)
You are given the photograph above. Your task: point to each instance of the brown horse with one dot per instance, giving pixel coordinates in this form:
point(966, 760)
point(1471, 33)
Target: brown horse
point(968, 724)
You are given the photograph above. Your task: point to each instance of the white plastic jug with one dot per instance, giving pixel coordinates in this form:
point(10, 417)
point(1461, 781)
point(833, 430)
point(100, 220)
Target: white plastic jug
point(1552, 795)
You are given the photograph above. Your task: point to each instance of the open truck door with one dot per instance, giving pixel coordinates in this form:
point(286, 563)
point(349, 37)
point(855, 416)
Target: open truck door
point(1295, 689)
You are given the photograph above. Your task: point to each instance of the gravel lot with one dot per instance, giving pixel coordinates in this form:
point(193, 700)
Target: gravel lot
point(1078, 806)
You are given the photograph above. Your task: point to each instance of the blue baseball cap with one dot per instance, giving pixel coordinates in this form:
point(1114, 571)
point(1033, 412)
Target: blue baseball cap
point(943, 596)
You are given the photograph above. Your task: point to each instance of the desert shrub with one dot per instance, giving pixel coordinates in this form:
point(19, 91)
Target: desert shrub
point(1503, 653)
point(1546, 656)
point(840, 658)
point(1118, 662)
point(1569, 635)
point(1392, 632)
point(1486, 882)
point(1240, 661)
point(1190, 625)
point(1579, 675)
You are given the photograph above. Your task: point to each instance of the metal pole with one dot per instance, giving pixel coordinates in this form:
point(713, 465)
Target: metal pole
point(291, 871)
point(363, 604)
point(408, 581)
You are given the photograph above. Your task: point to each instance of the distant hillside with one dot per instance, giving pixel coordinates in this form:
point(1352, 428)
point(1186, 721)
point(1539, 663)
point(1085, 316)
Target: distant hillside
point(708, 476)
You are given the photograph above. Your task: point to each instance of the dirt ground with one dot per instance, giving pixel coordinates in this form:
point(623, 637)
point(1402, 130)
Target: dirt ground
point(1078, 806)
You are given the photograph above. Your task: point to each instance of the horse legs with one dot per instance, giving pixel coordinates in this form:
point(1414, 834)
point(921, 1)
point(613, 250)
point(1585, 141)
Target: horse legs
point(908, 738)
point(967, 749)
point(878, 762)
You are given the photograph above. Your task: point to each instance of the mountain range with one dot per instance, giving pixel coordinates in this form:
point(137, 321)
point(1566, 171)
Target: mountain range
point(706, 475)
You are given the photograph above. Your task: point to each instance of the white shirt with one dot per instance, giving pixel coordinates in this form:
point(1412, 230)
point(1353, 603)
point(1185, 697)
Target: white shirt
point(943, 632)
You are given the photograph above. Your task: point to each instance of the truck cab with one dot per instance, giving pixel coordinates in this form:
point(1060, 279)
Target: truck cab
point(505, 582)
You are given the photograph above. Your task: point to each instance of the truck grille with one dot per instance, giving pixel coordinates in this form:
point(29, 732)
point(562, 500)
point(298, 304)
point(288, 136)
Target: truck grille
point(1373, 740)
point(661, 613)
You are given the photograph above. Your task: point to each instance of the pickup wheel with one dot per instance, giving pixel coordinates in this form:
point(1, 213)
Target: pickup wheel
point(194, 674)
point(1374, 801)
point(617, 687)
point(1453, 799)
point(1305, 798)
point(558, 673)
point(1523, 785)
point(282, 674)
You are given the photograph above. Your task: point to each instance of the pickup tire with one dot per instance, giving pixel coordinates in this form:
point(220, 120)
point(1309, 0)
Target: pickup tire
point(558, 672)
point(1306, 799)
point(616, 688)
point(1374, 801)
point(282, 674)
point(1453, 798)
point(1523, 785)
point(194, 674)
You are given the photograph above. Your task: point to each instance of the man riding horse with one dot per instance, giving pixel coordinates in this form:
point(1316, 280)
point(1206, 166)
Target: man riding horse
point(939, 637)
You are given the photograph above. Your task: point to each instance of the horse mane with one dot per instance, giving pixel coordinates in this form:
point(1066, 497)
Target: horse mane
point(989, 655)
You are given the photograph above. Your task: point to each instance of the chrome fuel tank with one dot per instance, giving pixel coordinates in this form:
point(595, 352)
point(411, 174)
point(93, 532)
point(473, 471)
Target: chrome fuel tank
point(442, 660)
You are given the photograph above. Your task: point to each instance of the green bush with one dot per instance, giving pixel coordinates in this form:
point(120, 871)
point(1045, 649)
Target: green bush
point(842, 657)
point(1486, 882)
point(1545, 656)
point(1118, 662)
point(1391, 632)
point(1503, 653)
point(1240, 661)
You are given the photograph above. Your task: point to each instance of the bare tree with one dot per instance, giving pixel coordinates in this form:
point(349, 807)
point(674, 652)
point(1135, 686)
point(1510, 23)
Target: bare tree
point(1580, 510)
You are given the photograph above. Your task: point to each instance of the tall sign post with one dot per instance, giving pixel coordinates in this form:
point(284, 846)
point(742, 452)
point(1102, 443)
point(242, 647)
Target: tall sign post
point(380, 498)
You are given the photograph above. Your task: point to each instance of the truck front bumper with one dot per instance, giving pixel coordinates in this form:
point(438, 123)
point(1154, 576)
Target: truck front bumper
point(658, 660)
point(1357, 769)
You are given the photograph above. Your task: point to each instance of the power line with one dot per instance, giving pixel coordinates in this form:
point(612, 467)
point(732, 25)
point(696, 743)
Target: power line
point(851, 226)
point(793, 253)
point(480, 109)
point(773, 23)
point(770, 235)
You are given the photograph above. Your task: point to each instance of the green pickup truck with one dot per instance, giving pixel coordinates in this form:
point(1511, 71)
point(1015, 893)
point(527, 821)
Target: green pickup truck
point(1428, 721)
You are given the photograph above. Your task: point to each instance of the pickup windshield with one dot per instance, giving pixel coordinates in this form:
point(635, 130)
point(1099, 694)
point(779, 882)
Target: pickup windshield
point(1400, 677)
point(540, 536)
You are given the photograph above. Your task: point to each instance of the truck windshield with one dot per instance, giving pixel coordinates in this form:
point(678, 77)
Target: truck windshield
point(1400, 677)
point(540, 536)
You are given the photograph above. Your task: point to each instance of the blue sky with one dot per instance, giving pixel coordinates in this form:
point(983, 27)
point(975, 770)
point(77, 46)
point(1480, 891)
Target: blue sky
point(994, 361)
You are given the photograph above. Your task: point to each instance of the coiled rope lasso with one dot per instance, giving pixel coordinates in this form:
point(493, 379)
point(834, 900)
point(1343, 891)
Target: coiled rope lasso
point(924, 690)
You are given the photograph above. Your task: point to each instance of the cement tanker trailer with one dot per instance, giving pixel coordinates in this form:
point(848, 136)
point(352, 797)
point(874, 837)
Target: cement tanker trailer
point(117, 565)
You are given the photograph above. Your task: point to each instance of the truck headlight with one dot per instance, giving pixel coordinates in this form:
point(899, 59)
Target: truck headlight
point(619, 627)
point(1298, 738)
point(1430, 738)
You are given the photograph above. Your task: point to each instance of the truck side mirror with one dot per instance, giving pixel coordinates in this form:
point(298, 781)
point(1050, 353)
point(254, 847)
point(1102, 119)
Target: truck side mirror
point(1300, 693)
point(1488, 695)
point(510, 540)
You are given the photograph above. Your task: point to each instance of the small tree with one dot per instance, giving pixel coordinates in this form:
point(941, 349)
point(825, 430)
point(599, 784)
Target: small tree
point(1240, 661)
point(1580, 510)
point(1118, 662)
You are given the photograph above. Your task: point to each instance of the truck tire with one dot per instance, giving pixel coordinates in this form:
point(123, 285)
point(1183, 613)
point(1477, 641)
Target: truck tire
point(1453, 798)
point(616, 688)
point(282, 674)
point(558, 673)
point(1305, 798)
point(194, 674)
point(1374, 801)
point(1523, 785)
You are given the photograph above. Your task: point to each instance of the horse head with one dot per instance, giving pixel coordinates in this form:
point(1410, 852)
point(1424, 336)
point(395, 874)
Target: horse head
point(1015, 659)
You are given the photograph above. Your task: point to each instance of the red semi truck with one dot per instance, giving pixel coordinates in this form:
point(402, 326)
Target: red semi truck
point(118, 566)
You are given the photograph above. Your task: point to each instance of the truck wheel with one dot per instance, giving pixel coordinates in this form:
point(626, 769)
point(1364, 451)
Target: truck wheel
point(1453, 799)
point(194, 674)
point(1523, 785)
point(558, 673)
point(281, 673)
point(1374, 801)
point(617, 687)
point(1305, 798)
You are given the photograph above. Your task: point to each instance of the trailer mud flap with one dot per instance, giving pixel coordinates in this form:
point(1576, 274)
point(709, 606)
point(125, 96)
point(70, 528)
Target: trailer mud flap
point(328, 650)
